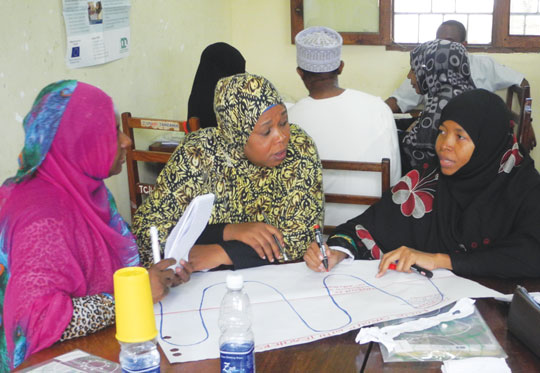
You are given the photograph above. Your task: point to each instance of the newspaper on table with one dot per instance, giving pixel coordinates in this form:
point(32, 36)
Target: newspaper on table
point(74, 362)
point(97, 31)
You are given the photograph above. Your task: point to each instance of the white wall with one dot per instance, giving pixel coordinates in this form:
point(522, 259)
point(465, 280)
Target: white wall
point(167, 38)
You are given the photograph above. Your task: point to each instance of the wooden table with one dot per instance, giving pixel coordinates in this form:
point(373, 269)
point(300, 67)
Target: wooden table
point(335, 354)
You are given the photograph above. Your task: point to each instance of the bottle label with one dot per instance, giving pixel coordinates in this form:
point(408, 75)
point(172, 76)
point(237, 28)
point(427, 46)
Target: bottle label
point(142, 370)
point(237, 357)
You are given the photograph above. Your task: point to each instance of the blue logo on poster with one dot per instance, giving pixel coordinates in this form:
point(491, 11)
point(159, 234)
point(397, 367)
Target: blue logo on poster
point(75, 52)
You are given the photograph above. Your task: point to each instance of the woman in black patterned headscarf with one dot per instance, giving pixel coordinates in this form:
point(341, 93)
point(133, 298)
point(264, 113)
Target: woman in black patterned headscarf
point(439, 69)
point(256, 164)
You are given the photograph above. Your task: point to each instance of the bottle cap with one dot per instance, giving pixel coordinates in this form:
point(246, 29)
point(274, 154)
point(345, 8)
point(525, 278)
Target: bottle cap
point(235, 281)
point(135, 320)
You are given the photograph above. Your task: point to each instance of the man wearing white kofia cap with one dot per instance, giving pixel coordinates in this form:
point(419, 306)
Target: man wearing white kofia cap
point(345, 124)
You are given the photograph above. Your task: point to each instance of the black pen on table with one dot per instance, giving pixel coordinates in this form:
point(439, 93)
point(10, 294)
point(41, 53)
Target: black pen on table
point(422, 271)
point(318, 238)
point(415, 268)
point(281, 249)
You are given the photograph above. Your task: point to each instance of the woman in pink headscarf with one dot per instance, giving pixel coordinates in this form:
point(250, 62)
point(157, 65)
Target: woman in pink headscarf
point(61, 237)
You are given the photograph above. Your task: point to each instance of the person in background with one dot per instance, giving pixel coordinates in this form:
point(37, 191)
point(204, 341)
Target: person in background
point(476, 212)
point(346, 124)
point(485, 72)
point(440, 70)
point(61, 236)
point(255, 164)
point(218, 60)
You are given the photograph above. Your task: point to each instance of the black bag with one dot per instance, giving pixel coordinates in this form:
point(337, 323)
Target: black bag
point(524, 319)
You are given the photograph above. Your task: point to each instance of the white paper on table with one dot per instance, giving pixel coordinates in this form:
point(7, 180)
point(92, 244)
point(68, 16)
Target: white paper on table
point(189, 227)
point(508, 297)
point(292, 304)
point(476, 364)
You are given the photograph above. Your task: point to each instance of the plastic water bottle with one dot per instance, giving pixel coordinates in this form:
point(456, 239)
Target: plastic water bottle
point(139, 357)
point(236, 344)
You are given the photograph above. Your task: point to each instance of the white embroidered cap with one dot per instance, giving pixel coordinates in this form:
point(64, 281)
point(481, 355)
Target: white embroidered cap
point(318, 49)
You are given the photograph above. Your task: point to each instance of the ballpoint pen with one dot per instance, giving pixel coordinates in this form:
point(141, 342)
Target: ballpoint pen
point(281, 249)
point(319, 239)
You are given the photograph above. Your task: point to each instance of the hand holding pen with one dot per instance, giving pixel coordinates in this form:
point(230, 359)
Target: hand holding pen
point(319, 240)
point(314, 258)
point(405, 259)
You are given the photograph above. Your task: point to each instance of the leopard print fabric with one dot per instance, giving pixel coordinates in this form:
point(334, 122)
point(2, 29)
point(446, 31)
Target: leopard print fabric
point(90, 314)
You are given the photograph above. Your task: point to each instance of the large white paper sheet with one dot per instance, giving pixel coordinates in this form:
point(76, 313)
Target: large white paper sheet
point(293, 305)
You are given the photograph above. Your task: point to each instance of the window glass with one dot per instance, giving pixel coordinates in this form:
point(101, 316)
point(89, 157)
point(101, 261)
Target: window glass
point(475, 15)
point(532, 25)
point(412, 6)
point(343, 15)
point(428, 25)
point(476, 6)
point(524, 17)
point(523, 6)
point(406, 28)
point(479, 30)
point(443, 6)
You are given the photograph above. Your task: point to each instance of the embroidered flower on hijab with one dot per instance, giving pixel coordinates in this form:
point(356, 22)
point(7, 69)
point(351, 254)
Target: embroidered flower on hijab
point(512, 158)
point(415, 194)
point(368, 241)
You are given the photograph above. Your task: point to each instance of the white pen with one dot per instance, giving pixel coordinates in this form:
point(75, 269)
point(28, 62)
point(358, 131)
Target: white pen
point(155, 244)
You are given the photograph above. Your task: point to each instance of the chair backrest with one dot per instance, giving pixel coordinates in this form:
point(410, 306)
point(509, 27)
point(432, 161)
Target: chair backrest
point(134, 155)
point(521, 115)
point(383, 167)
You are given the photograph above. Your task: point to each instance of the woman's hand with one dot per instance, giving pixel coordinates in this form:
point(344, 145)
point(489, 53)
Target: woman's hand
point(404, 257)
point(161, 278)
point(182, 273)
point(258, 236)
point(203, 257)
point(313, 257)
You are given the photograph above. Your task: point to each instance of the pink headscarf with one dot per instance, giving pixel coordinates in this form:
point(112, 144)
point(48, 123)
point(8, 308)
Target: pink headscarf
point(59, 229)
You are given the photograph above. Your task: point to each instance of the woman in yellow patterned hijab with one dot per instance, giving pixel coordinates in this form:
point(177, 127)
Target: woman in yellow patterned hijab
point(256, 164)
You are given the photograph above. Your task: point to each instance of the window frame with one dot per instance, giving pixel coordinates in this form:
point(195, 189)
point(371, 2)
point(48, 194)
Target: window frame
point(501, 40)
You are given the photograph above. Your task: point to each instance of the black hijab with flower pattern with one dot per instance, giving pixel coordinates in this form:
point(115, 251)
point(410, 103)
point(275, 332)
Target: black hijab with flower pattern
point(485, 217)
point(212, 160)
point(442, 70)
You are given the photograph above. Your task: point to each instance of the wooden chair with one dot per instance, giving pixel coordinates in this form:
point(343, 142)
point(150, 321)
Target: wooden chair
point(136, 188)
point(383, 167)
point(521, 115)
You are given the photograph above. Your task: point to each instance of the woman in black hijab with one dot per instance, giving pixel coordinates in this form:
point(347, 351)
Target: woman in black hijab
point(218, 61)
point(476, 213)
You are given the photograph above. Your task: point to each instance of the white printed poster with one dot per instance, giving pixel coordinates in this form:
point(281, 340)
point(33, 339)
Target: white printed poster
point(97, 31)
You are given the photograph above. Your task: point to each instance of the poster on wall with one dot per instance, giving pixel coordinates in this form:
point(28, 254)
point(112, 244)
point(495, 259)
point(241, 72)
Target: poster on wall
point(97, 31)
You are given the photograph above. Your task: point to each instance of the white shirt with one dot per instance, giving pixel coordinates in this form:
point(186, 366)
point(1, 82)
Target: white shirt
point(353, 126)
point(485, 72)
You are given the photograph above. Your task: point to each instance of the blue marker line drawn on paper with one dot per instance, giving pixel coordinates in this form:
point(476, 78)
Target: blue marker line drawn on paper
point(349, 318)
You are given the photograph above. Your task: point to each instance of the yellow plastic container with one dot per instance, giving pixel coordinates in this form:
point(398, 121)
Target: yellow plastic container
point(135, 320)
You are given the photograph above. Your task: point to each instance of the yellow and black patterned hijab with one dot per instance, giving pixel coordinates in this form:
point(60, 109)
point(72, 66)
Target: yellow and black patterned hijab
point(239, 101)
